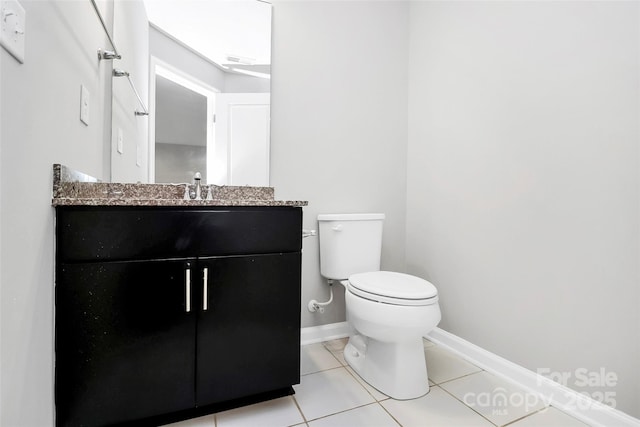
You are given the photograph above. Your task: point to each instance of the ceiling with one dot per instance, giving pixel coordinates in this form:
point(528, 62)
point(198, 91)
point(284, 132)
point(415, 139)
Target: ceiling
point(218, 29)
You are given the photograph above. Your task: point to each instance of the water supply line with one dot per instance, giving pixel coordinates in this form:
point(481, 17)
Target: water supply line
point(319, 306)
point(314, 305)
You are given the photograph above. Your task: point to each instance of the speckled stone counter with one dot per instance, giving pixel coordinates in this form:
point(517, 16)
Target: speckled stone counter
point(75, 188)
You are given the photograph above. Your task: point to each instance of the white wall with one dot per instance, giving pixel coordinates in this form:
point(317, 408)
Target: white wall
point(523, 186)
point(40, 126)
point(338, 134)
point(237, 83)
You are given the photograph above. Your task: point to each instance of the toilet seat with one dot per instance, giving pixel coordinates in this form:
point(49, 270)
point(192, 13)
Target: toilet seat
point(393, 288)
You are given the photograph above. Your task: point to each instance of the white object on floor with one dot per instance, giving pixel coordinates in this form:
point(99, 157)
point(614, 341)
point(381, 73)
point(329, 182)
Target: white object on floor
point(389, 312)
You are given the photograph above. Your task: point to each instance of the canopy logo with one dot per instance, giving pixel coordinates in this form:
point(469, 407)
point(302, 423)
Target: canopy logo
point(500, 400)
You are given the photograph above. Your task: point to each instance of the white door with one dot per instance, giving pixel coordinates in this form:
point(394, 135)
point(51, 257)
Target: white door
point(241, 152)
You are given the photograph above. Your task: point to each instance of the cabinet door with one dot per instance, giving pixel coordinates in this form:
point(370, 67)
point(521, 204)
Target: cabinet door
point(125, 341)
point(248, 338)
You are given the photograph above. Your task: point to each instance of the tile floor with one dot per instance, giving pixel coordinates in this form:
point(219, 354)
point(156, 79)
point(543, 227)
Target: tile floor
point(330, 394)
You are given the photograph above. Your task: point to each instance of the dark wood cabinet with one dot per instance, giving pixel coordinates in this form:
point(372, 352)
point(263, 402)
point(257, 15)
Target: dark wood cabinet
point(252, 300)
point(124, 344)
point(162, 311)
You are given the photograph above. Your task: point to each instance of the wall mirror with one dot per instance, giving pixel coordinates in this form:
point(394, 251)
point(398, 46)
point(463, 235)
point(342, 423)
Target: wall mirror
point(210, 66)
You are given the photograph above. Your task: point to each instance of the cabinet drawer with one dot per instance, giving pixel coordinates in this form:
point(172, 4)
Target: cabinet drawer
point(117, 233)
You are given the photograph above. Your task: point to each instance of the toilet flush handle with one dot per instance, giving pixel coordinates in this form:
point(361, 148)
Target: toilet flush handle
point(309, 233)
point(337, 227)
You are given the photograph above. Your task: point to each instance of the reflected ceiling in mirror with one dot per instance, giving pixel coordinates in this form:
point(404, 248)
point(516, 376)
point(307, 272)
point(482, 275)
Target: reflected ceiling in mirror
point(235, 34)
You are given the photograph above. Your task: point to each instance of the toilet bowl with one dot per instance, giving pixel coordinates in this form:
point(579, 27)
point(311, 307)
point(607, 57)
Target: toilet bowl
point(388, 312)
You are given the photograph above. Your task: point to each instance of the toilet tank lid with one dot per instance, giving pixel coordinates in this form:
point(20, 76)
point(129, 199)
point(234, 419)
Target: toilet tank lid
point(351, 217)
point(392, 284)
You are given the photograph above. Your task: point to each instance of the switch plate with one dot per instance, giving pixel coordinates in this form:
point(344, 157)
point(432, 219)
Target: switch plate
point(120, 145)
point(13, 20)
point(84, 105)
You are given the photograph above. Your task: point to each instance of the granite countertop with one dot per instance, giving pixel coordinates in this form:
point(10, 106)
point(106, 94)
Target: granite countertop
point(72, 188)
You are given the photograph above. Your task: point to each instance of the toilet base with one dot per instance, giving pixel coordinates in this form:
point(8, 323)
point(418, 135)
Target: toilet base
point(396, 369)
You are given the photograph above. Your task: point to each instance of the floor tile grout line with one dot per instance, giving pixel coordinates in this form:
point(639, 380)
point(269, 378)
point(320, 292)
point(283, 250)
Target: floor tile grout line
point(362, 385)
point(324, 370)
point(336, 339)
point(488, 420)
point(457, 378)
point(304, 419)
point(451, 379)
point(526, 416)
point(390, 414)
point(332, 355)
point(358, 382)
point(336, 352)
point(451, 353)
point(345, 410)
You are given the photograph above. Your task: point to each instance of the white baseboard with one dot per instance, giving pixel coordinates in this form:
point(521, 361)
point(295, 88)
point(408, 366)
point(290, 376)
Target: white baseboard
point(332, 331)
point(577, 405)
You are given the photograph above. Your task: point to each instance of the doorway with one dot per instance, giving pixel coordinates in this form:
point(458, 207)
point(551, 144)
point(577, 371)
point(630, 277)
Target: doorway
point(181, 125)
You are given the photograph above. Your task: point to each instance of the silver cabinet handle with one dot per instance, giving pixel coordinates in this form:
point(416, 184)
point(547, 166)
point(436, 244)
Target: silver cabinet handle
point(205, 289)
point(187, 286)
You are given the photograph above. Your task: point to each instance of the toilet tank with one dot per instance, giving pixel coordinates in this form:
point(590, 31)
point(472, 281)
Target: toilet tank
point(349, 244)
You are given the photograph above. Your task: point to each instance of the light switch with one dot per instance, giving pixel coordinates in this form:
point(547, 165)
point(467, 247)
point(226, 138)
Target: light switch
point(13, 28)
point(120, 146)
point(84, 105)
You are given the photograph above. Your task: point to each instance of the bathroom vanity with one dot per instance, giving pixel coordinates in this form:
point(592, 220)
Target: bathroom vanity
point(166, 312)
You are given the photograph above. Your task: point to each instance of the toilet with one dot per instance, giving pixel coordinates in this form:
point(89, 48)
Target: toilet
point(388, 312)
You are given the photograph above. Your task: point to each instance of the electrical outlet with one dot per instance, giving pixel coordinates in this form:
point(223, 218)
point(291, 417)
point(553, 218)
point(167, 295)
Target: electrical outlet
point(13, 20)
